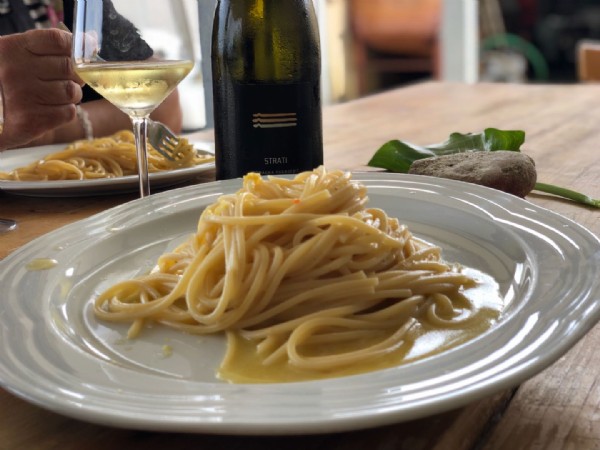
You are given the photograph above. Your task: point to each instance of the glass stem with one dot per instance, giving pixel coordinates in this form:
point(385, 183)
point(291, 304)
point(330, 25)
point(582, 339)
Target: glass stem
point(140, 132)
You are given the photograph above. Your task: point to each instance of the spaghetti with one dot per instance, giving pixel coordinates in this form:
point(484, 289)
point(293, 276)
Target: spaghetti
point(108, 157)
point(302, 271)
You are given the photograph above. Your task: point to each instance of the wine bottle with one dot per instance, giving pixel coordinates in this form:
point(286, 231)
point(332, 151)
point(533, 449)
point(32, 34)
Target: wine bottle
point(266, 67)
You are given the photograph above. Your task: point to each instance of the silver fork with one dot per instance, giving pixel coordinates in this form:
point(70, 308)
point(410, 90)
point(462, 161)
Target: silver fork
point(163, 139)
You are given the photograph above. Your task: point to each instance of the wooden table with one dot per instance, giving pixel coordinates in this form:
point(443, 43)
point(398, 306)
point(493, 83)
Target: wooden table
point(558, 408)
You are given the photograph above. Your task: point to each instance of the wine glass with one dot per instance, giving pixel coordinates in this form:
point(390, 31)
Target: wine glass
point(134, 53)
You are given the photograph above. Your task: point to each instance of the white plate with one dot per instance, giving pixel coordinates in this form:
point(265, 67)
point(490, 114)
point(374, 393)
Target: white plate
point(55, 353)
point(12, 159)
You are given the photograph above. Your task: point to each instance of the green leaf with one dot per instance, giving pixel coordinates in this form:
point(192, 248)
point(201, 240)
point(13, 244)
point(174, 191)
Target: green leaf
point(490, 139)
point(398, 156)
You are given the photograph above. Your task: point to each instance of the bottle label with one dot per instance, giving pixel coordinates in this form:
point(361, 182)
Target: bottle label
point(278, 123)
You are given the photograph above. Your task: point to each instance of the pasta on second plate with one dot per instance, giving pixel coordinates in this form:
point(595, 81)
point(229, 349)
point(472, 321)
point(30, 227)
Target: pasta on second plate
point(306, 281)
point(107, 157)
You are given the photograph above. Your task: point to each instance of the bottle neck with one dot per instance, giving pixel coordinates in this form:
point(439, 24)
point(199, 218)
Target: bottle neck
point(276, 39)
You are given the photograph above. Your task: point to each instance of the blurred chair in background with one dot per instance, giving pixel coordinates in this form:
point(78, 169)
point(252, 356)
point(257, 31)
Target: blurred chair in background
point(588, 60)
point(394, 37)
point(506, 57)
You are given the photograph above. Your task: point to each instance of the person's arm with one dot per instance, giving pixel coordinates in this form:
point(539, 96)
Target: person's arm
point(169, 112)
point(39, 86)
point(40, 91)
point(107, 119)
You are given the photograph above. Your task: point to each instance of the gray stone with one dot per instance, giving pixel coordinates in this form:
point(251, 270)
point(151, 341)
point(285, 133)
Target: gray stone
point(508, 171)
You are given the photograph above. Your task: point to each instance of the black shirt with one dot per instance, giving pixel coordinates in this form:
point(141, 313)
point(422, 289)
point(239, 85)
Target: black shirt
point(17, 18)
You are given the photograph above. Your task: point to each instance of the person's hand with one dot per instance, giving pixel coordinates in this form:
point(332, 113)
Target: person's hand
point(39, 86)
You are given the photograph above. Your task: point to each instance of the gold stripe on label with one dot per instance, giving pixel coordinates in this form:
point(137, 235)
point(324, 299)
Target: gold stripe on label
point(275, 125)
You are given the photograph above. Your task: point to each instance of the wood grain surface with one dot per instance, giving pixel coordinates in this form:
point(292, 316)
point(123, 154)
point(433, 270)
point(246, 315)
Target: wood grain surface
point(558, 408)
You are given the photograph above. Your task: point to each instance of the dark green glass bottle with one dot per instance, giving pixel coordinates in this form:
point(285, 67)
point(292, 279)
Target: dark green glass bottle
point(266, 66)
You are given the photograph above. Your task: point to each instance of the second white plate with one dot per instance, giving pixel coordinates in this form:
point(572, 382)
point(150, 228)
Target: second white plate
point(11, 159)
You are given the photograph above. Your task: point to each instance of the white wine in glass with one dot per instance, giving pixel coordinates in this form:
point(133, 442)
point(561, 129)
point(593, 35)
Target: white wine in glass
point(115, 52)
